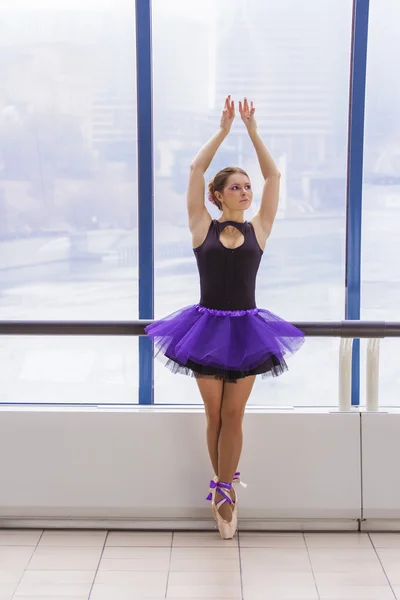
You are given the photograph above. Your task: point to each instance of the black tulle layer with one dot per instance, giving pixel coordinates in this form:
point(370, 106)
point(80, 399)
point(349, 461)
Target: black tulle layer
point(272, 367)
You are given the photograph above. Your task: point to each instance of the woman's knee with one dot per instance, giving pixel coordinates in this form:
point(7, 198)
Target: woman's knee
point(213, 418)
point(232, 416)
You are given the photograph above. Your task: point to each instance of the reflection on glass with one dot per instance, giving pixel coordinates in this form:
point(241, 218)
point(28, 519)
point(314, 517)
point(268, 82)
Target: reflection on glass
point(292, 59)
point(68, 239)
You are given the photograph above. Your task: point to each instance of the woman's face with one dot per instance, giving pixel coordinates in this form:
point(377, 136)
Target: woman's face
point(237, 194)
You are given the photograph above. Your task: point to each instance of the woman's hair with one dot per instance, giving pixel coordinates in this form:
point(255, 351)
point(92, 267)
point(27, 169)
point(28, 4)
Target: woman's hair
point(218, 183)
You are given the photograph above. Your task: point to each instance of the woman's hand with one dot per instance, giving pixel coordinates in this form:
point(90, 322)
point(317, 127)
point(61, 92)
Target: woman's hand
point(228, 115)
point(247, 113)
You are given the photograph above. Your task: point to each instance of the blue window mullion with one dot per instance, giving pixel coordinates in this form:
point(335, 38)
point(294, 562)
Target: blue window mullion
point(145, 193)
point(355, 176)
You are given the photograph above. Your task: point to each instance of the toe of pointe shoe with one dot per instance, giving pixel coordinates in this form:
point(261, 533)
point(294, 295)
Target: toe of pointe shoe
point(227, 530)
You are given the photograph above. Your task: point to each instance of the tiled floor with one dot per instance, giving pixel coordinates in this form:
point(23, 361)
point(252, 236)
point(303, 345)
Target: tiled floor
point(101, 565)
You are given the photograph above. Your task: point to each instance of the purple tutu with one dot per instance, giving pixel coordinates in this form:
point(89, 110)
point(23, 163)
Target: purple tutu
point(228, 345)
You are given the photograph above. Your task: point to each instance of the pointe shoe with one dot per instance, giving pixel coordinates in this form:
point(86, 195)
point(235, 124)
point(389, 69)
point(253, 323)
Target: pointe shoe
point(226, 529)
point(211, 496)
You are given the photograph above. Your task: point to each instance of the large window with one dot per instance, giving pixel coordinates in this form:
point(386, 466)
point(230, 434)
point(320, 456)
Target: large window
point(292, 58)
point(380, 298)
point(68, 187)
point(69, 180)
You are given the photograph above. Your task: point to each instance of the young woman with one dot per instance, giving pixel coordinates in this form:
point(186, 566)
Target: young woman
point(225, 340)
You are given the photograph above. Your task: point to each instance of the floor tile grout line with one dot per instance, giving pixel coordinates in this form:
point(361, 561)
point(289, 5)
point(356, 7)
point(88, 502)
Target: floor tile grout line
point(97, 570)
point(383, 568)
point(29, 562)
point(311, 565)
point(169, 565)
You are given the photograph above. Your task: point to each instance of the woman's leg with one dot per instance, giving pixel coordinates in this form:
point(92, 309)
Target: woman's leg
point(230, 440)
point(211, 391)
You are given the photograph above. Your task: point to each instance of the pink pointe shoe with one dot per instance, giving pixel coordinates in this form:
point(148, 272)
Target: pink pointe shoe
point(226, 529)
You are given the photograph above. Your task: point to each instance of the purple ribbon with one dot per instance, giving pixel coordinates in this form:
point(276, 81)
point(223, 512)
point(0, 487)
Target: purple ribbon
point(221, 485)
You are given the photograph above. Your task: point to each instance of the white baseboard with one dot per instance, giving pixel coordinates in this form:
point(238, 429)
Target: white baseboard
point(371, 525)
point(181, 524)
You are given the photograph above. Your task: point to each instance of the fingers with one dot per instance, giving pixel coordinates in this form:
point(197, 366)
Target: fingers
point(229, 107)
point(246, 109)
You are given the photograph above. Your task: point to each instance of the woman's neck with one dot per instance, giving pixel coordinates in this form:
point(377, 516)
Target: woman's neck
point(236, 216)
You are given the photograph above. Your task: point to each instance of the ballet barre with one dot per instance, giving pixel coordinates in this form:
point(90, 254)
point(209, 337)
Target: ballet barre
point(373, 331)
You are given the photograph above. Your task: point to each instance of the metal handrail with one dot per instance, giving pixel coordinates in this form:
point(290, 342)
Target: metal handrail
point(342, 329)
point(347, 330)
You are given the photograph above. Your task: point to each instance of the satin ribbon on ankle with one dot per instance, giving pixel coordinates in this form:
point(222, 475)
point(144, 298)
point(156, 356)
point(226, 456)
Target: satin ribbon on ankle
point(236, 479)
point(214, 484)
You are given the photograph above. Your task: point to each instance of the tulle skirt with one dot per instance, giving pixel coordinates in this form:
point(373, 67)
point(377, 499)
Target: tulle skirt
point(227, 345)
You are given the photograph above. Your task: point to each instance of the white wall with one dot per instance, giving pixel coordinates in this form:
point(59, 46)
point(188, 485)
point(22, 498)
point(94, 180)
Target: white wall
point(381, 470)
point(149, 468)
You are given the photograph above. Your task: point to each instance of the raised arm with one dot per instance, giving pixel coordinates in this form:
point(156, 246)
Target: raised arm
point(199, 217)
point(264, 219)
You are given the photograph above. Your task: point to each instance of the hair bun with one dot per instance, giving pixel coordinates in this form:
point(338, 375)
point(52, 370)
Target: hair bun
point(211, 199)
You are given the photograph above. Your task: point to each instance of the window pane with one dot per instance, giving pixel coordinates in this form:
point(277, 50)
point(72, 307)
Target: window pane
point(68, 370)
point(68, 176)
point(292, 58)
point(380, 298)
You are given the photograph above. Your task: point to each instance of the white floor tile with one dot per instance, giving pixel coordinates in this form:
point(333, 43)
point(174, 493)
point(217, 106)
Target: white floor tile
point(205, 591)
point(280, 592)
point(360, 578)
point(205, 564)
point(7, 589)
point(202, 566)
point(345, 553)
point(117, 592)
point(390, 559)
point(19, 537)
point(195, 578)
point(65, 559)
point(50, 598)
point(268, 540)
point(393, 575)
point(203, 539)
point(338, 540)
point(14, 558)
point(133, 591)
point(355, 592)
point(386, 540)
point(388, 554)
point(213, 552)
point(275, 559)
point(204, 584)
point(11, 576)
point(137, 552)
point(73, 538)
point(54, 591)
point(58, 577)
point(139, 579)
point(54, 584)
point(139, 538)
point(345, 561)
point(276, 578)
point(134, 564)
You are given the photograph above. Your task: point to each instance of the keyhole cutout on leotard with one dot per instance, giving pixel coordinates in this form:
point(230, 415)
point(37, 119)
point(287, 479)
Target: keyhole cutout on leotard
point(231, 237)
